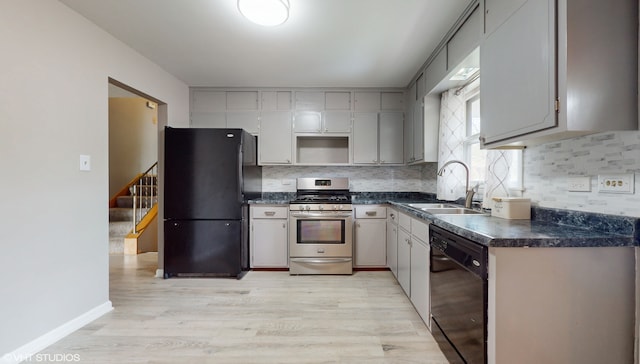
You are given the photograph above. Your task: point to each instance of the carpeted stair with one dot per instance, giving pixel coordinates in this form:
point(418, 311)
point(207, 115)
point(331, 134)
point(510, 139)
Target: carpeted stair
point(121, 217)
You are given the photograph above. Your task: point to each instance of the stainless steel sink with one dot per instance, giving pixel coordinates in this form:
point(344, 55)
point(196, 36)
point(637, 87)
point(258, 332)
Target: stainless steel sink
point(431, 205)
point(451, 211)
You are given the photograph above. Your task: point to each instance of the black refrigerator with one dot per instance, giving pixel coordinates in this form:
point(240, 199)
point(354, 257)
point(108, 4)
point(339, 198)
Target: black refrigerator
point(209, 174)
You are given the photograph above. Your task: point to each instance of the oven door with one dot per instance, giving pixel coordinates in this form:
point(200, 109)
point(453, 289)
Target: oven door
point(321, 234)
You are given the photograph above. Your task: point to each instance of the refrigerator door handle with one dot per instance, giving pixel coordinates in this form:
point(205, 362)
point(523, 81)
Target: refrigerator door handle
point(240, 170)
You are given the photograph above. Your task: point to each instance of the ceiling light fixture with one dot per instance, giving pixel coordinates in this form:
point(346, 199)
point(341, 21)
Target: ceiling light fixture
point(464, 73)
point(265, 12)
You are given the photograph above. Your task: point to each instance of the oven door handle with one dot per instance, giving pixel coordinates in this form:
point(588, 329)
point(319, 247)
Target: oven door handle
point(322, 261)
point(303, 215)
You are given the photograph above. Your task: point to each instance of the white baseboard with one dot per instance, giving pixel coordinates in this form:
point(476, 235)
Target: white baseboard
point(29, 350)
point(159, 273)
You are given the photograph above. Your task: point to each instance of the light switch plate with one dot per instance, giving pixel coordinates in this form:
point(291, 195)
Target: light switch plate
point(579, 184)
point(618, 183)
point(85, 163)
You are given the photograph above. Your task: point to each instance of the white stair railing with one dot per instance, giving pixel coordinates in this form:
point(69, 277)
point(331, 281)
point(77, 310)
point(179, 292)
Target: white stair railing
point(145, 194)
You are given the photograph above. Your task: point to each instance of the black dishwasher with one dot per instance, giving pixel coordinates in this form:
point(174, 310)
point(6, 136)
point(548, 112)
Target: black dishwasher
point(458, 275)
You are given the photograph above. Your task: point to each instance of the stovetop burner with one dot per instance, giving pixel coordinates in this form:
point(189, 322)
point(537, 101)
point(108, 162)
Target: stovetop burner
point(323, 190)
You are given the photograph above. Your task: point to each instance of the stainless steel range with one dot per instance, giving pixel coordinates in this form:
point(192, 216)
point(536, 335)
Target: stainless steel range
point(321, 227)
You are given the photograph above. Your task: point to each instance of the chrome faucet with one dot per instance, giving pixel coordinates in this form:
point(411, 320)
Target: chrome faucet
point(469, 192)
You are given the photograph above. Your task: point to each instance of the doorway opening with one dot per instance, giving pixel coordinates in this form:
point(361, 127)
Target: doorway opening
point(135, 123)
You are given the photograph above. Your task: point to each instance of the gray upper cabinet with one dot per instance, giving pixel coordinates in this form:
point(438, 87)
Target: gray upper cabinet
point(365, 138)
point(274, 140)
point(337, 122)
point(276, 100)
point(310, 100)
point(308, 122)
point(465, 40)
point(247, 120)
point(367, 101)
point(378, 137)
point(533, 94)
point(498, 11)
point(518, 73)
point(437, 70)
point(391, 137)
point(337, 100)
point(208, 101)
point(392, 101)
point(242, 100)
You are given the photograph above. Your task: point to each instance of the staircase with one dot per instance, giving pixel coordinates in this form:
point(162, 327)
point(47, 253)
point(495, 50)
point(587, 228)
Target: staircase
point(121, 214)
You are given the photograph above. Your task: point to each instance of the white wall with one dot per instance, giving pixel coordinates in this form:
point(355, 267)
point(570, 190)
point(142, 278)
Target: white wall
point(54, 106)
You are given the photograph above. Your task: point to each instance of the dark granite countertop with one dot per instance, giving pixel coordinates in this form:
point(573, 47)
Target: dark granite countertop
point(547, 227)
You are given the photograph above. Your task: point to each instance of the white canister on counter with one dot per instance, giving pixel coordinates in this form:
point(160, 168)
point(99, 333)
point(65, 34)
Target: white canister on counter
point(511, 208)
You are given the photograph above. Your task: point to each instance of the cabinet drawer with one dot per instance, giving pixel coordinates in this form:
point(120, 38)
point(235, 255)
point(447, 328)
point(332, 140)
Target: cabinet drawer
point(371, 212)
point(269, 212)
point(404, 221)
point(420, 230)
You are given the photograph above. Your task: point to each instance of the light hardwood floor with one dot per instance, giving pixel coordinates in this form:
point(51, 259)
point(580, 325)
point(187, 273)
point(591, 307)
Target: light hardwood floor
point(266, 317)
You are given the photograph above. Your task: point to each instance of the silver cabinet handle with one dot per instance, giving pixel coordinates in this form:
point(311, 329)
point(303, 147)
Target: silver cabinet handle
point(270, 213)
point(371, 213)
point(284, 226)
point(358, 224)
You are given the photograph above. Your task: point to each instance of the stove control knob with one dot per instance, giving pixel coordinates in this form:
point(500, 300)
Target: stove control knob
point(307, 208)
point(341, 207)
point(301, 207)
point(320, 208)
point(335, 207)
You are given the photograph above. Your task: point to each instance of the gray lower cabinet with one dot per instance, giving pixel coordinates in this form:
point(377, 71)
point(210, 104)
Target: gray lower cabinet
point(404, 260)
point(392, 241)
point(420, 294)
point(370, 236)
point(269, 239)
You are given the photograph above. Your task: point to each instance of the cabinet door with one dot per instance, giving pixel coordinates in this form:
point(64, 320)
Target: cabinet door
point(418, 131)
point(276, 100)
point(308, 122)
point(365, 138)
point(420, 278)
point(242, 100)
point(518, 73)
point(408, 126)
point(274, 140)
point(466, 39)
point(200, 119)
point(392, 101)
point(404, 261)
point(370, 246)
point(367, 101)
point(310, 100)
point(337, 122)
point(247, 120)
point(338, 100)
point(392, 247)
point(269, 243)
point(391, 137)
point(431, 127)
point(208, 101)
point(498, 11)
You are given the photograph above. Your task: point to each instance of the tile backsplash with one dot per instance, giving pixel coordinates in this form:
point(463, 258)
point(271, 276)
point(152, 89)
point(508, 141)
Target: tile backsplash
point(362, 179)
point(547, 168)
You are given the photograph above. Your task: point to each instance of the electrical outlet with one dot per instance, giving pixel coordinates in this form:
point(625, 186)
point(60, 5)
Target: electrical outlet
point(579, 184)
point(620, 183)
